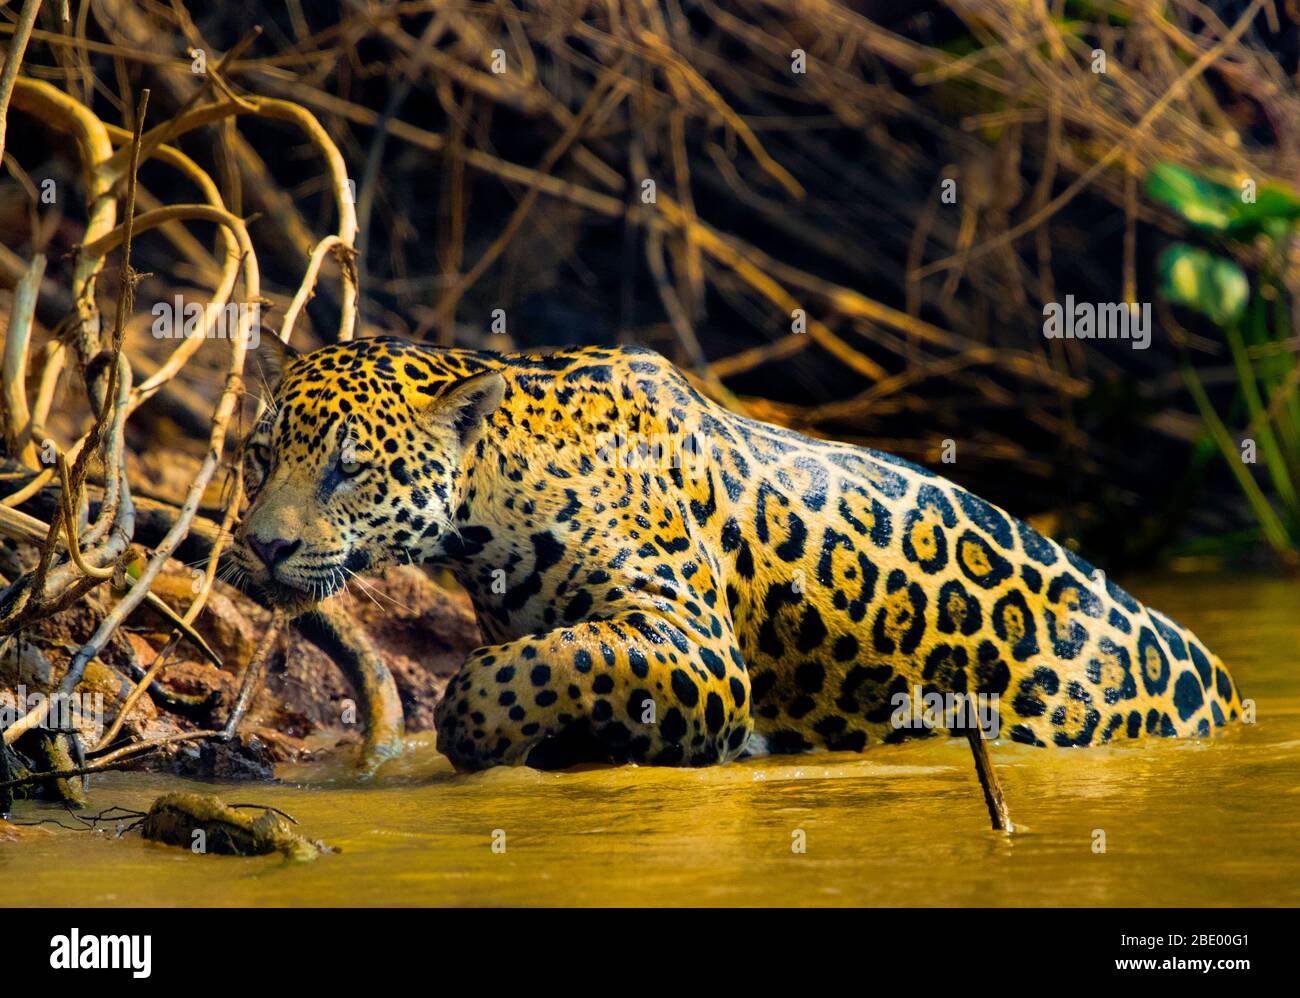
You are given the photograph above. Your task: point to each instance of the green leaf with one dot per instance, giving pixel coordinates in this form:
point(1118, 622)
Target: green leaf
point(1210, 284)
point(1274, 208)
point(1218, 207)
point(1204, 203)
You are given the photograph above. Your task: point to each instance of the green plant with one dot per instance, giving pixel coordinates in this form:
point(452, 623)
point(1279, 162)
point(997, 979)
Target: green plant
point(1257, 329)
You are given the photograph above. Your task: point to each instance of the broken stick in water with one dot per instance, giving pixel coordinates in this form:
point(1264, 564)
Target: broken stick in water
point(993, 797)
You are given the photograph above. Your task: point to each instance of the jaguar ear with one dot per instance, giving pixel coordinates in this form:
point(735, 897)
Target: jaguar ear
point(270, 359)
point(464, 405)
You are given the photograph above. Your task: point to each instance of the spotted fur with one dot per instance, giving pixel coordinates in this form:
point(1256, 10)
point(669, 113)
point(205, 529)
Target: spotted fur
point(659, 578)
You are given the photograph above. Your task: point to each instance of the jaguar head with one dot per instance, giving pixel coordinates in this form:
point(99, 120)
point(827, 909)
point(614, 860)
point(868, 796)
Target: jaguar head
point(356, 462)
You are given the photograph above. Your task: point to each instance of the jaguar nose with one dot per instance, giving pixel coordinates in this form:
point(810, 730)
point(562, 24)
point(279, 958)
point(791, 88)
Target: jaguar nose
point(273, 551)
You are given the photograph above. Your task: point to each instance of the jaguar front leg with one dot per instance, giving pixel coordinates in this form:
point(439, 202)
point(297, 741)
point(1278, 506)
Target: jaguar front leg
point(633, 688)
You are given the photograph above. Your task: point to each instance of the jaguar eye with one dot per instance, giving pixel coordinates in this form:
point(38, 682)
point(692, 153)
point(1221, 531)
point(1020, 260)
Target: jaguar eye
point(350, 468)
point(262, 453)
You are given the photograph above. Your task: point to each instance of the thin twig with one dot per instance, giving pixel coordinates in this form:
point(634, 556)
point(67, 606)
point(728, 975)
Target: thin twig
point(14, 60)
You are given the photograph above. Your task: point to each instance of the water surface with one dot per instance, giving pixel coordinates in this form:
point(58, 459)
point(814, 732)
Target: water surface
point(1215, 822)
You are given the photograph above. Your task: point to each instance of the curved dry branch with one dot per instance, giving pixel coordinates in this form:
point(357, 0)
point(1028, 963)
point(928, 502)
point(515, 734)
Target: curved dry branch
point(344, 241)
point(18, 427)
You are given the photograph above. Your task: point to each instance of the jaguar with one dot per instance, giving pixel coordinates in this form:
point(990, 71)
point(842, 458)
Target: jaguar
point(663, 581)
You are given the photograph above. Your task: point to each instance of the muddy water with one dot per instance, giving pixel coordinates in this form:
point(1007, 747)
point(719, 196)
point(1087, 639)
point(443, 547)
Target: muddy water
point(1185, 823)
